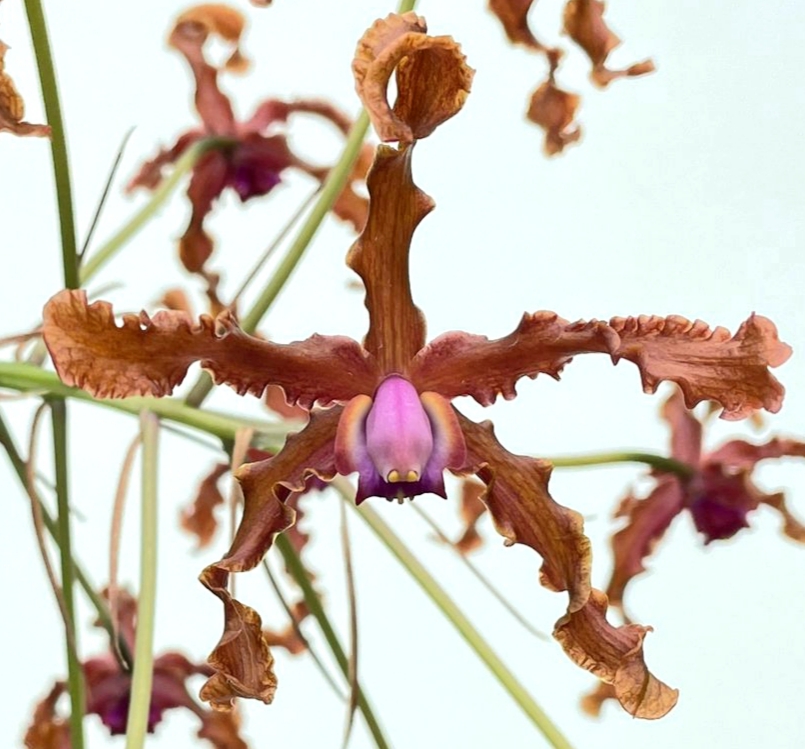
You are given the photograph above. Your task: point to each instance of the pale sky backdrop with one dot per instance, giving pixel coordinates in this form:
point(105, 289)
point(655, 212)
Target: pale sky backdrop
point(685, 196)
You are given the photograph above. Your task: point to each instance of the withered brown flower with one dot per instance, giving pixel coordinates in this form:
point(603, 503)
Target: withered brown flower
point(253, 164)
point(389, 417)
point(719, 494)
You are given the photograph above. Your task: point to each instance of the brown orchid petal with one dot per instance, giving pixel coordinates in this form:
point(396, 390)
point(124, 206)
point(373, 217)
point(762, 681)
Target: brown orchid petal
point(513, 14)
point(791, 526)
point(380, 257)
point(12, 106)
point(647, 521)
point(615, 655)
point(741, 455)
point(706, 364)
point(524, 512)
point(242, 660)
point(188, 37)
point(221, 729)
point(289, 637)
point(48, 730)
point(208, 181)
point(152, 172)
point(554, 110)
point(433, 79)
point(199, 517)
point(592, 702)
point(584, 24)
point(472, 509)
point(686, 430)
point(176, 299)
point(459, 363)
point(150, 356)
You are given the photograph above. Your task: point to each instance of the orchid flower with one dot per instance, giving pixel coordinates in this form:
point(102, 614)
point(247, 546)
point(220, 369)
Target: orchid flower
point(385, 405)
point(719, 494)
point(109, 692)
point(254, 162)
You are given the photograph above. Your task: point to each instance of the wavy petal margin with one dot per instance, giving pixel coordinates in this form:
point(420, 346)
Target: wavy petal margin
point(584, 24)
point(706, 364)
point(524, 512)
point(433, 79)
point(380, 257)
point(242, 659)
point(615, 655)
point(150, 355)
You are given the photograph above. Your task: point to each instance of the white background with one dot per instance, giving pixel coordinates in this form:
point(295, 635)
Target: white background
point(685, 196)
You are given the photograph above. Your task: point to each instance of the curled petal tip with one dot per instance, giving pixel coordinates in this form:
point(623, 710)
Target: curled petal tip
point(433, 79)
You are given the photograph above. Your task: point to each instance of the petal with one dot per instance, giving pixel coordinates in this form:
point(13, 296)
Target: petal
point(615, 655)
point(686, 430)
point(188, 36)
point(554, 110)
point(584, 24)
point(222, 729)
point(524, 512)
point(150, 356)
point(741, 455)
point(791, 526)
point(210, 177)
point(48, 730)
point(380, 257)
point(152, 172)
point(433, 79)
point(706, 364)
point(242, 660)
point(199, 517)
point(647, 521)
point(12, 106)
point(471, 510)
point(592, 702)
point(289, 638)
point(513, 14)
point(275, 400)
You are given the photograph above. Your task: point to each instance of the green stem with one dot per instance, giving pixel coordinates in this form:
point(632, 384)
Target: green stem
point(300, 574)
point(28, 378)
point(75, 676)
point(58, 143)
point(142, 676)
point(456, 617)
point(668, 465)
point(98, 603)
point(126, 232)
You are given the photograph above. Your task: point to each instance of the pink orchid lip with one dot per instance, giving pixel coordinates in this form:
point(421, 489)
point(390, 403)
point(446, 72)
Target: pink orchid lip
point(399, 439)
point(400, 442)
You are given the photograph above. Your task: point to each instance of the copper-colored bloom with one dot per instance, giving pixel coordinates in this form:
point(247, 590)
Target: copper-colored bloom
point(108, 691)
point(254, 162)
point(719, 495)
point(12, 106)
point(390, 418)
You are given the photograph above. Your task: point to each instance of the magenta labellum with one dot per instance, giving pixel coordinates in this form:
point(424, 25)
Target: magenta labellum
point(400, 442)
